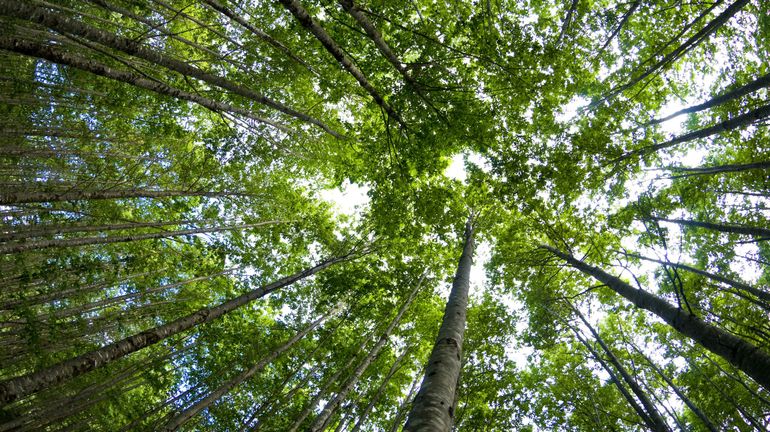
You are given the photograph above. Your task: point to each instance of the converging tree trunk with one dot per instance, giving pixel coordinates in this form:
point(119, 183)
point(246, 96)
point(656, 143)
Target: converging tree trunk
point(433, 408)
point(22, 386)
point(725, 228)
point(741, 354)
point(376, 396)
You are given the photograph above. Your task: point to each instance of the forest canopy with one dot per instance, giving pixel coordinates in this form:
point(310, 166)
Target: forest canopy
point(557, 215)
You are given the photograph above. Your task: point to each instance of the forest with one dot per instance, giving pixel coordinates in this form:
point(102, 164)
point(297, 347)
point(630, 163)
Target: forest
point(384, 215)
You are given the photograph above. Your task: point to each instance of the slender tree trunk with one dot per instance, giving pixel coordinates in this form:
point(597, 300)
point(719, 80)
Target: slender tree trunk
point(567, 21)
point(65, 25)
point(393, 369)
point(618, 384)
point(725, 126)
point(741, 354)
point(405, 403)
point(433, 408)
point(762, 295)
point(688, 45)
point(304, 18)
point(725, 228)
point(761, 82)
point(227, 386)
point(326, 413)
point(22, 386)
point(657, 422)
point(86, 241)
point(696, 171)
point(690, 404)
point(13, 234)
point(12, 198)
point(59, 56)
point(623, 21)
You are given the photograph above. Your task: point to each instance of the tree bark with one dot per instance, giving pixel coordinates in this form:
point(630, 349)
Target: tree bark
point(762, 295)
point(327, 411)
point(393, 369)
point(761, 82)
point(689, 172)
point(656, 420)
point(42, 231)
point(304, 18)
point(64, 25)
point(433, 408)
point(59, 56)
point(22, 386)
point(85, 241)
point(11, 198)
point(743, 355)
point(690, 404)
point(725, 228)
point(623, 21)
point(227, 386)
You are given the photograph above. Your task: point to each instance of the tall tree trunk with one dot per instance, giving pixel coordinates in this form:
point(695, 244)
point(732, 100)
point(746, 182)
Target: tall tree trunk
point(762, 295)
point(725, 126)
point(12, 234)
point(725, 228)
point(227, 386)
point(623, 21)
point(22, 386)
point(761, 82)
point(618, 384)
point(708, 170)
point(304, 18)
point(56, 55)
point(567, 21)
point(741, 354)
point(690, 404)
point(433, 408)
point(64, 25)
point(85, 241)
point(657, 422)
point(12, 198)
point(327, 410)
point(393, 369)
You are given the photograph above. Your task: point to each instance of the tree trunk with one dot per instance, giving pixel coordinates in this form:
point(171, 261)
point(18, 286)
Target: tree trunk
point(227, 386)
point(623, 21)
point(327, 410)
point(22, 386)
point(433, 408)
point(741, 354)
point(761, 82)
point(44, 231)
point(65, 25)
point(656, 420)
point(304, 18)
point(696, 171)
point(12, 198)
point(393, 369)
point(59, 56)
point(85, 241)
point(725, 228)
point(762, 295)
point(694, 408)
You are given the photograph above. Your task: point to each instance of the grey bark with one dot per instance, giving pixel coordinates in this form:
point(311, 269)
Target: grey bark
point(743, 355)
point(725, 228)
point(761, 82)
point(184, 416)
point(64, 25)
point(304, 18)
point(656, 420)
point(19, 387)
point(11, 197)
point(393, 369)
point(85, 241)
point(708, 170)
point(326, 413)
point(42, 231)
point(433, 408)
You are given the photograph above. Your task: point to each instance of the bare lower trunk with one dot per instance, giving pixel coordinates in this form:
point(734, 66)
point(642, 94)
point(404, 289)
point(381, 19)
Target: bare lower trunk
point(743, 355)
point(22, 386)
point(433, 408)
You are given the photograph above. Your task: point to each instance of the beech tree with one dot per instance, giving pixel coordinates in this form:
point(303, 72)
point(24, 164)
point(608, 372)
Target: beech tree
point(244, 215)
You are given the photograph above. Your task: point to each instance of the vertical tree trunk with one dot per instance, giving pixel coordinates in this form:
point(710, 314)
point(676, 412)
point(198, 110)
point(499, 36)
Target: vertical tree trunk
point(433, 408)
point(393, 369)
point(227, 386)
point(741, 354)
point(21, 386)
point(658, 424)
point(725, 228)
point(11, 197)
point(327, 410)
